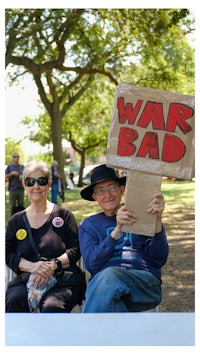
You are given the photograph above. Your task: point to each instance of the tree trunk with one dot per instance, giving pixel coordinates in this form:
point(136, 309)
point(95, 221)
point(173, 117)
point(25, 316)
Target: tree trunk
point(56, 132)
point(80, 181)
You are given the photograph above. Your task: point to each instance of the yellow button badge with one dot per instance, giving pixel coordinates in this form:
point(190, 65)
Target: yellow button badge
point(21, 234)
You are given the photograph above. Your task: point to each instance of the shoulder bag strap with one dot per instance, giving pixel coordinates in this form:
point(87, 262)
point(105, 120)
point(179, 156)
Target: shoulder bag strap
point(30, 234)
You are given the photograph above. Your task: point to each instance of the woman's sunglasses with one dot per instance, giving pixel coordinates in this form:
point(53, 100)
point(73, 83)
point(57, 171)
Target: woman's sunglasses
point(42, 181)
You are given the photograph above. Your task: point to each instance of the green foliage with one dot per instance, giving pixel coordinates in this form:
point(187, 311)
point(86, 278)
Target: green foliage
point(73, 42)
point(67, 51)
point(91, 115)
point(46, 157)
point(39, 128)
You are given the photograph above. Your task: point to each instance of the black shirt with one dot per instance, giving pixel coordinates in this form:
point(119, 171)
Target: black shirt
point(57, 235)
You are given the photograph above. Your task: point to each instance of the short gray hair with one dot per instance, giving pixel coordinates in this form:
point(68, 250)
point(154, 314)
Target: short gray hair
point(33, 166)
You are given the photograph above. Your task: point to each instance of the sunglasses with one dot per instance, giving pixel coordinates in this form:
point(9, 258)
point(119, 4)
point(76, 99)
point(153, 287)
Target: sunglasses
point(42, 181)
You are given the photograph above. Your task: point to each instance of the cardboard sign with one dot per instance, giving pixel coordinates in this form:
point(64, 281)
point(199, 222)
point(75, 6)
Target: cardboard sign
point(151, 135)
point(140, 188)
point(152, 131)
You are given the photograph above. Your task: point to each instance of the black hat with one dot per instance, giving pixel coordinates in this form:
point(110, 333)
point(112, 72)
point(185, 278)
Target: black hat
point(99, 174)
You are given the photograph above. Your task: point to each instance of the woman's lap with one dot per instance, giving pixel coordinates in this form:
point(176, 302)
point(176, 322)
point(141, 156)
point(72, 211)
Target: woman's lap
point(55, 300)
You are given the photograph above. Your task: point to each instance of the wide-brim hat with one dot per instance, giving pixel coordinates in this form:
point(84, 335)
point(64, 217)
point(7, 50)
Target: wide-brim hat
point(101, 173)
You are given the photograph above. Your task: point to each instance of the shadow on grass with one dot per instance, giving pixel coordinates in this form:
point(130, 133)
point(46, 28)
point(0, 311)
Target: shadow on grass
point(179, 272)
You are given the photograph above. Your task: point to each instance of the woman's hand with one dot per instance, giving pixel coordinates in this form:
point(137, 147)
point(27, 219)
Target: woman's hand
point(43, 270)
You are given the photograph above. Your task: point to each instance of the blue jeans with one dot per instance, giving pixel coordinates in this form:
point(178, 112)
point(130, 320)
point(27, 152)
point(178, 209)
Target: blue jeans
point(119, 290)
point(54, 193)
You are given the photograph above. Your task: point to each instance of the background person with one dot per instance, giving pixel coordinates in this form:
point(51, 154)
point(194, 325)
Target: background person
point(56, 178)
point(55, 234)
point(125, 268)
point(13, 174)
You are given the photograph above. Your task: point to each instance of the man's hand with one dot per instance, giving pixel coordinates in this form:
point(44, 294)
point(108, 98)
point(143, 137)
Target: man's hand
point(157, 207)
point(123, 216)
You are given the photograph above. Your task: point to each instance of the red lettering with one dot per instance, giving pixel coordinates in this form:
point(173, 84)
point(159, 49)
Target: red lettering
point(149, 145)
point(152, 112)
point(177, 116)
point(128, 112)
point(125, 144)
point(173, 149)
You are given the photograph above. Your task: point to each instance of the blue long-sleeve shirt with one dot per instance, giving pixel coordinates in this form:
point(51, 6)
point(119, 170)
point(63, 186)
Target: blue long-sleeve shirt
point(131, 251)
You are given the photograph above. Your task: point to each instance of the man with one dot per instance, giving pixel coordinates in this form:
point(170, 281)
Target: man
point(56, 180)
point(13, 175)
point(125, 268)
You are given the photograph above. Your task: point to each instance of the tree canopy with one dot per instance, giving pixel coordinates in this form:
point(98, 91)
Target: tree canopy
point(67, 50)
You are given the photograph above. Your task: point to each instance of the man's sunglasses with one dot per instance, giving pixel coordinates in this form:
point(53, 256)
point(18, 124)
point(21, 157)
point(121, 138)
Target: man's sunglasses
point(42, 181)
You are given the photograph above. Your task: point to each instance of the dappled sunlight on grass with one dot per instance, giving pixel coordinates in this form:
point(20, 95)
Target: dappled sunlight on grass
point(179, 214)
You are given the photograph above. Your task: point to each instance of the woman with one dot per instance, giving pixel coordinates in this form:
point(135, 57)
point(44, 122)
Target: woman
point(55, 240)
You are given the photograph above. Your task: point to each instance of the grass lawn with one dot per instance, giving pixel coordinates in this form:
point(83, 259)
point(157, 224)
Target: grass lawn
point(180, 205)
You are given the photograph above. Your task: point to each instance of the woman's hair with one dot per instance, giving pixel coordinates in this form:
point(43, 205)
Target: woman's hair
point(33, 166)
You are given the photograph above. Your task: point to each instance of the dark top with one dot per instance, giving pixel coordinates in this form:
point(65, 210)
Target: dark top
point(57, 235)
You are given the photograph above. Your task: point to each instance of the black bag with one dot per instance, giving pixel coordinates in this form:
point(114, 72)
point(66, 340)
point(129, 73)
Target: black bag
point(73, 276)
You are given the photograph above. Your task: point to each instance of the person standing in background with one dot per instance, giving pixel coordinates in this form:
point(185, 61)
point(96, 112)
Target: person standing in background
point(13, 175)
point(56, 177)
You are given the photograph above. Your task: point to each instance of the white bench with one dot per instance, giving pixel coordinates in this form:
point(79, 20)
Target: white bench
point(100, 329)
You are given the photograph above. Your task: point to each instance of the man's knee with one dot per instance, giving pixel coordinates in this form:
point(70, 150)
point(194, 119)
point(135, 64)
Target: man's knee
point(108, 273)
point(105, 278)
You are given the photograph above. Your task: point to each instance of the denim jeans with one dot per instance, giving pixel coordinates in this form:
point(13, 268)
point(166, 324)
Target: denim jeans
point(54, 193)
point(119, 290)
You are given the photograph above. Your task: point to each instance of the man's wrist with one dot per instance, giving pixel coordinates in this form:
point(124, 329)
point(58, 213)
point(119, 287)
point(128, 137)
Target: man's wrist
point(158, 226)
point(116, 233)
